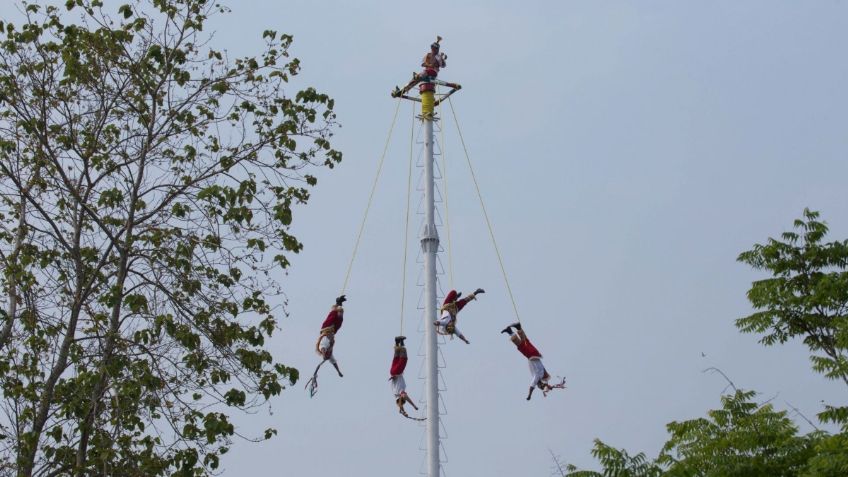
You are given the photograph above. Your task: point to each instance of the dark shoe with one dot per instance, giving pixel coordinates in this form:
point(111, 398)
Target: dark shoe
point(507, 330)
point(517, 326)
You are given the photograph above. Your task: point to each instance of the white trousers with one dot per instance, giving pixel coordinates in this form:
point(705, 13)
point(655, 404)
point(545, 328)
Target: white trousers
point(326, 348)
point(443, 323)
point(398, 385)
point(537, 370)
point(445, 319)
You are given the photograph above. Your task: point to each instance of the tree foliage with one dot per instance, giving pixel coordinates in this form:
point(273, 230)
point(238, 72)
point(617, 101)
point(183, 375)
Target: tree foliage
point(617, 463)
point(743, 438)
point(806, 297)
point(147, 183)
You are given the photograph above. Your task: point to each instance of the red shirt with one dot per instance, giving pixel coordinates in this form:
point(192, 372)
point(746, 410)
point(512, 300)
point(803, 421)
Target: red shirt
point(334, 319)
point(527, 349)
point(398, 365)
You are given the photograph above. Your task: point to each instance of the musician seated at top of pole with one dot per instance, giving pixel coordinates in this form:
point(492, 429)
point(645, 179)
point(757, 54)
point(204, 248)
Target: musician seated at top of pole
point(433, 61)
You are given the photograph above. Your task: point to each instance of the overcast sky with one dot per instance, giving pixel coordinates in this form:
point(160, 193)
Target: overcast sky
point(627, 152)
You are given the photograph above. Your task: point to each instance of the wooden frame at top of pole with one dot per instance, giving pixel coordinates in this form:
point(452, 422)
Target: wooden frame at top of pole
point(417, 79)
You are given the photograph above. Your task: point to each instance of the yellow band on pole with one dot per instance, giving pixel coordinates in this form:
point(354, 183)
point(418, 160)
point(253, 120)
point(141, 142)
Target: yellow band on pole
point(428, 103)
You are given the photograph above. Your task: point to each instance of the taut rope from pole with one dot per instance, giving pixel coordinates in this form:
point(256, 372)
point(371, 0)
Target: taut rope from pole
point(370, 198)
point(406, 226)
point(447, 209)
point(485, 213)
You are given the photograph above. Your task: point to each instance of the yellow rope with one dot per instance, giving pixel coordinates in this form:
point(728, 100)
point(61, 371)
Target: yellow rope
point(370, 199)
point(485, 214)
point(447, 210)
point(406, 227)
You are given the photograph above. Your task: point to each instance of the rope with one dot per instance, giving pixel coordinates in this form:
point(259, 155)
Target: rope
point(406, 227)
point(447, 210)
point(485, 213)
point(370, 199)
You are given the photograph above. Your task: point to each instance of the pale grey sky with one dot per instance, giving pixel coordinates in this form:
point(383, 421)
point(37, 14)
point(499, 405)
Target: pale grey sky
point(627, 152)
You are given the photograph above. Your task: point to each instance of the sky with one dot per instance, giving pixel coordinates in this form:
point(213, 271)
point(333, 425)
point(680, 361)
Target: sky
point(627, 152)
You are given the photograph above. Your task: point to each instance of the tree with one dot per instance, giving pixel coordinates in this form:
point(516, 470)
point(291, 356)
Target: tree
point(806, 297)
point(743, 438)
point(617, 463)
point(148, 184)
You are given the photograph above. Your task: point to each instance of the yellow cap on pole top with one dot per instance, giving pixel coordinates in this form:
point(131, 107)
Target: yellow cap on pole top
point(428, 103)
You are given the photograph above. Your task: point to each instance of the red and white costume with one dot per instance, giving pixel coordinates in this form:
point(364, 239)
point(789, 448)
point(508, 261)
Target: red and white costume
point(534, 358)
point(446, 324)
point(432, 63)
point(327, 339)
point(396, 372)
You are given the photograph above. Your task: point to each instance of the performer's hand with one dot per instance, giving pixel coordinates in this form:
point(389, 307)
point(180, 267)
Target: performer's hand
point(479, 291)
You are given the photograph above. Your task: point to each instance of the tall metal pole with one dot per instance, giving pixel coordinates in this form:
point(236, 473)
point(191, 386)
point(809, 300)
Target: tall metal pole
point(429, 248)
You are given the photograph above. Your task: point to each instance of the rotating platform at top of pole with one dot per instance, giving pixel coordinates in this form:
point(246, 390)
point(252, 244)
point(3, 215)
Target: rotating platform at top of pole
point(427, 81)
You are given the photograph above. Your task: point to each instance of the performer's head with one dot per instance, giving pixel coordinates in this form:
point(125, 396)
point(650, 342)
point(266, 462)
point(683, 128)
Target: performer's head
point(401, 399)
point(543, 383)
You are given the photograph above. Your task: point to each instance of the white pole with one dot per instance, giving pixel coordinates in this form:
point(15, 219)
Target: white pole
point(429, 247)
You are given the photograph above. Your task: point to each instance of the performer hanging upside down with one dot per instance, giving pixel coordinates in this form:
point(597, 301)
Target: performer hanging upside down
point(396, 377)
point(327, 338)
point(446, 324)
point(534, 358)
